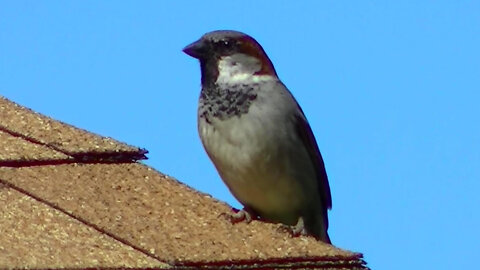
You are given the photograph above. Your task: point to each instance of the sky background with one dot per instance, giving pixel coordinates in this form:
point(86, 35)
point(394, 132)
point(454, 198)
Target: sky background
point(391, 90)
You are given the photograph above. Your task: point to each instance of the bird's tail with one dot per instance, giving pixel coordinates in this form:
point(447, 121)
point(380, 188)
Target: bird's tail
point(317, 226)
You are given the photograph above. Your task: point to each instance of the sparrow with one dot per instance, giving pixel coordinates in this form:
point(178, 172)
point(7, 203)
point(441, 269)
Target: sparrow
point(258, 137)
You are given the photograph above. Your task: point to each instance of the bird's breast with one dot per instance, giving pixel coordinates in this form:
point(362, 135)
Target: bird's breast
point(236, 141)
point(256, 156)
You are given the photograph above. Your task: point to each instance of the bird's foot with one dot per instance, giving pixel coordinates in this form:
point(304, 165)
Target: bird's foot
point(299, 228)
point(296, 230)
point(241, 215)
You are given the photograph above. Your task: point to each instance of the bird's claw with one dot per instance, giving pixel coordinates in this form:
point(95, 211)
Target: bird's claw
point(240, 216)
point(296, 230)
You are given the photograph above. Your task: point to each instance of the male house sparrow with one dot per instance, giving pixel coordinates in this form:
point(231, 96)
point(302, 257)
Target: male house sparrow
point(257, 136)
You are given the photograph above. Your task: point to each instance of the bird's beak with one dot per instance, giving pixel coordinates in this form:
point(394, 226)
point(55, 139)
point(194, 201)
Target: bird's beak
point(197, 49)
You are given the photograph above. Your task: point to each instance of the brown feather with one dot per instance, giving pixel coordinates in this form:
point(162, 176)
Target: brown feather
point(306, 135)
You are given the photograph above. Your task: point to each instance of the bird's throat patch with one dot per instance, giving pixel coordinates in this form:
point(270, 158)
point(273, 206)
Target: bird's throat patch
point(226, 101)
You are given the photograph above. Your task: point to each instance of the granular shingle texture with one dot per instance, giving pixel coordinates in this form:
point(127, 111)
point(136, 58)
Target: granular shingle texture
point(60, 209)
point(36, 128)
point(17, 149)
point(35, 235)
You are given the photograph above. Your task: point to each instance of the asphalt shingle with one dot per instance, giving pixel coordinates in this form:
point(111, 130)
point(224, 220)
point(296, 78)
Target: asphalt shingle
point(35, 235)
point(69, 198)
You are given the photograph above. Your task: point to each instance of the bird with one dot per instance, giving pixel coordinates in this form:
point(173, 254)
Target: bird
point(257, 136)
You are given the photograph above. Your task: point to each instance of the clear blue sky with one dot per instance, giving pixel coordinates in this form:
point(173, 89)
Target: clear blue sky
point(392, 91)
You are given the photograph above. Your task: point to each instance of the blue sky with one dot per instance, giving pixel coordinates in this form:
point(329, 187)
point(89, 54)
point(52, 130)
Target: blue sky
point(391, 90)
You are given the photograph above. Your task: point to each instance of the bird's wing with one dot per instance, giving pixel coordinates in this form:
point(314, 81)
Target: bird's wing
point(306, 135)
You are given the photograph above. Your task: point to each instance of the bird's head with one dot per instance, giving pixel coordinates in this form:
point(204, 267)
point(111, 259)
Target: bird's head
point(230, 57)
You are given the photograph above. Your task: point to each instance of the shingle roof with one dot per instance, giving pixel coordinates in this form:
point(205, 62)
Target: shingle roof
point(70, 199)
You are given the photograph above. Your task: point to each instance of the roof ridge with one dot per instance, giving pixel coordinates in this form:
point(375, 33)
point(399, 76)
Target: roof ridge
point(334, 262)
point(88, 147)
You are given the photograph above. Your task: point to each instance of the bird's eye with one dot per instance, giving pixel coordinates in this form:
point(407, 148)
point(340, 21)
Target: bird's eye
point(225, 44)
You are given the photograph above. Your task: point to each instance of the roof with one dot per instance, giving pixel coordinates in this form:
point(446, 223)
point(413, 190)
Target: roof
point(73, 199)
